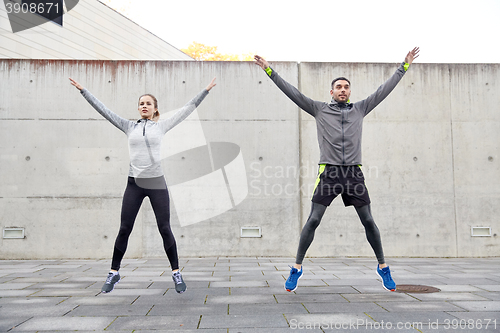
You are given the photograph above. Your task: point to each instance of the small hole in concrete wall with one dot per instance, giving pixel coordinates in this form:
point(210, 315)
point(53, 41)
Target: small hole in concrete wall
point(107, 158)
point(418, 235)
point(183, 81)
point(260, 82)
point(31, 80)
point(105, 237)
point(260, 158)
point(415, 159)
point(28, 158)
point(490, 158)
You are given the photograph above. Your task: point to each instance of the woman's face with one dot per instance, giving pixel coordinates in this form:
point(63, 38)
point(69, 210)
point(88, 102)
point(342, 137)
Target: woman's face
point(147, 107)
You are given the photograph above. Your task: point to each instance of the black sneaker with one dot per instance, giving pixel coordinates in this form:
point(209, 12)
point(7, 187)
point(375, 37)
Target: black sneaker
point(111, 280)
point(180, 286)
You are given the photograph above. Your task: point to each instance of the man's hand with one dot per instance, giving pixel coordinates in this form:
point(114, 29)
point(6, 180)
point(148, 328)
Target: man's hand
point(211, 84)
point(76, 84)
point(261, 62)
point(412, 55)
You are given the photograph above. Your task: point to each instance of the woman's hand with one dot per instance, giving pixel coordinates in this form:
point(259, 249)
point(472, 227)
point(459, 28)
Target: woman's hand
point(76, 84)
point(211, 84)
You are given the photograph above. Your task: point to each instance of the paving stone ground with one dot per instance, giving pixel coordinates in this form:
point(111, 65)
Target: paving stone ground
point(246, 295)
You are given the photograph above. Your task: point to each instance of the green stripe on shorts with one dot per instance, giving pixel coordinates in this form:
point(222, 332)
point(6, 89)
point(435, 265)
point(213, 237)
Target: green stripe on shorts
point(320, 171)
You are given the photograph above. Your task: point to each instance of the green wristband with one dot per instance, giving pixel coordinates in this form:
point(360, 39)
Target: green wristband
point(406, 66)
point(269, 71)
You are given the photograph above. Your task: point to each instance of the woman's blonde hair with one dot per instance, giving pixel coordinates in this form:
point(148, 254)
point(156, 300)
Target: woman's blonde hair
point(156, 115)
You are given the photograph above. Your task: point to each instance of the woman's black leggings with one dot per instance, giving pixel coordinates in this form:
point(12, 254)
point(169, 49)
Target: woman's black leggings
point(317, 211)
point(132, 200)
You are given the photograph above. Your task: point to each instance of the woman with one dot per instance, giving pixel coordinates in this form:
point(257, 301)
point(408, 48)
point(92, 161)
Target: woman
point(146, 177)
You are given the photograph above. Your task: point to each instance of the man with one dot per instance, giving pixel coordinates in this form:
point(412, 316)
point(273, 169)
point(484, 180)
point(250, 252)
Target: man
point(339, 125)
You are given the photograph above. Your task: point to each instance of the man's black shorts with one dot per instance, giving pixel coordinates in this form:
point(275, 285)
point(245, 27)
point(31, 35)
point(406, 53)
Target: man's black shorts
point(347, 181)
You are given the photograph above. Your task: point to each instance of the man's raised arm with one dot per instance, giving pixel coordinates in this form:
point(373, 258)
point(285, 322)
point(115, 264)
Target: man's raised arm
point(385, 89)
point(302, 101)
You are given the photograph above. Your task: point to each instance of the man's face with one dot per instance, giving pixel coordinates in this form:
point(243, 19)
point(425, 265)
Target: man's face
point(341, 91)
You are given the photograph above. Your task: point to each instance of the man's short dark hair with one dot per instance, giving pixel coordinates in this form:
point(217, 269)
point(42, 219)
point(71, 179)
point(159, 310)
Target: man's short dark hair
point(340, 78)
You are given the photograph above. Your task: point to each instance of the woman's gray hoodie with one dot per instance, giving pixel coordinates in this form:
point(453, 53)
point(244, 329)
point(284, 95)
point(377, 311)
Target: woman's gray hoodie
point(144, 136)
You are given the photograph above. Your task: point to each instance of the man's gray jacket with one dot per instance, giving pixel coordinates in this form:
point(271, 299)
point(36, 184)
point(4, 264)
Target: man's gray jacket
point(339, 125)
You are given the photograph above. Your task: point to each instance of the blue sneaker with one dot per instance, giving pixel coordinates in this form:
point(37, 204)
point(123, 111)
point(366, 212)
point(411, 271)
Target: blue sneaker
point(387, 281)
point(291, 282)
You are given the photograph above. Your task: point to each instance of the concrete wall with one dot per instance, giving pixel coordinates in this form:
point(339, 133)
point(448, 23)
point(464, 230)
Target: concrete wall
point(91, 30)
point(430, 152)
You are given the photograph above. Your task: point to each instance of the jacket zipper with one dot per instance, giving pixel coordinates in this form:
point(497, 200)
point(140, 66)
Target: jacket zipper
point(343, 141)
point(144, 128)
